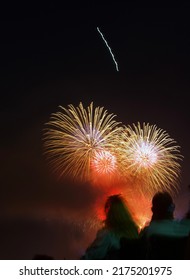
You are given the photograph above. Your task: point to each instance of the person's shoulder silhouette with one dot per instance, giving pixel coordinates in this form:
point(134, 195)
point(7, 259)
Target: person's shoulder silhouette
point(165, 236)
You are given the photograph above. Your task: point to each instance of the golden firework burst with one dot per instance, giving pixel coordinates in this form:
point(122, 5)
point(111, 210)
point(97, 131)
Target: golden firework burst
point(149, 158)
point(74, 135)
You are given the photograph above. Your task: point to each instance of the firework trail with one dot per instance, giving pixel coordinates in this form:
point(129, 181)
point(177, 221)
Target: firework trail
point(75, 136)
point(109, 49)
point(149, 158)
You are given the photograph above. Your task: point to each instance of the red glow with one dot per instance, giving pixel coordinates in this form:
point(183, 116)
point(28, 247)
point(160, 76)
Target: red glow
point(137, 203)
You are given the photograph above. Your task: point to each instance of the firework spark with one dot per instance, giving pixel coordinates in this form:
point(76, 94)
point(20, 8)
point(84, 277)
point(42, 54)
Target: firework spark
point(104, 162)
point(75, 135)
point(108, 49)
point(104, 169)
point(150, 158)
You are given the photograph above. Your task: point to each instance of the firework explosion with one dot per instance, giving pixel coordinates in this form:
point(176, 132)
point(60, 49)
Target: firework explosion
point(104, 170)
point(89, 145)
point(149, 158)
point(104, 162)
point(76, 137)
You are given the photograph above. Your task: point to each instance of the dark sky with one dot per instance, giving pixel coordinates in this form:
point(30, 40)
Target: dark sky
point(53, 55)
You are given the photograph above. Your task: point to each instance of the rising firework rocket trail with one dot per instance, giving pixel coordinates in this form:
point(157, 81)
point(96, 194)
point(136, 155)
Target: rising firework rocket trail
point(108, 49)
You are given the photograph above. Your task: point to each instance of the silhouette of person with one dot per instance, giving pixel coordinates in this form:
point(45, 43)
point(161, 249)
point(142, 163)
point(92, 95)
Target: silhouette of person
point(162, 206)
point(118, 223)
point(164, 235)
point(162, 221)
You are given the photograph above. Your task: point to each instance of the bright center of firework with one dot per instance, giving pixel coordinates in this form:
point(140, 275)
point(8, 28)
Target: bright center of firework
point(104, 162)
point(145, 154)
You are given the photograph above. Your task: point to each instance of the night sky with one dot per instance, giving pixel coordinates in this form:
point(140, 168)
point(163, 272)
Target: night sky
point(53, 55)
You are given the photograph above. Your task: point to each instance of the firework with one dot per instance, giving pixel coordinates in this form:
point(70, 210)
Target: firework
point(75, 136)
point(104, 162)
point(149, 158)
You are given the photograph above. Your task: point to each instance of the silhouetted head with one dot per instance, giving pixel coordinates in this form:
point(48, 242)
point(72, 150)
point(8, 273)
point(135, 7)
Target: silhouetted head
point(118, 217)
point(162, 206)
